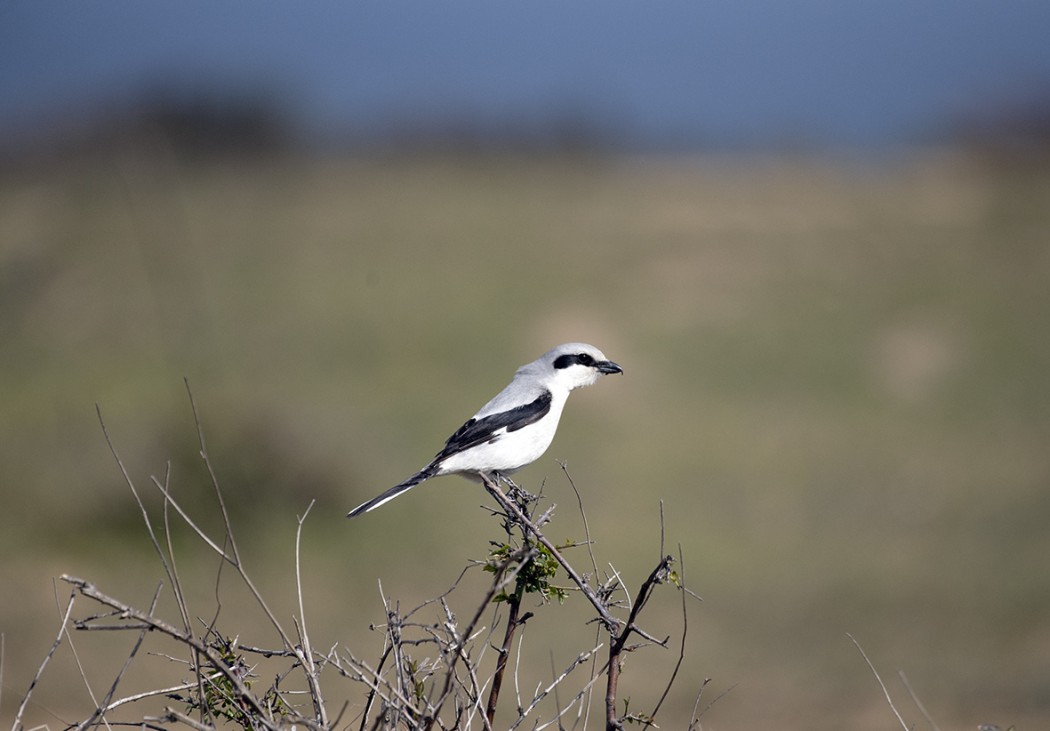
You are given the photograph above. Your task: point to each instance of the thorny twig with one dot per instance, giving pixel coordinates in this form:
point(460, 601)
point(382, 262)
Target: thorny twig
point(657, 576)
point(611, 623)
point(87, 589)
point(409, 692)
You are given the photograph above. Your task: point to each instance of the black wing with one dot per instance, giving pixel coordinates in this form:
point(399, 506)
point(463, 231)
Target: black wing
point(471, 434)
point(478, 431)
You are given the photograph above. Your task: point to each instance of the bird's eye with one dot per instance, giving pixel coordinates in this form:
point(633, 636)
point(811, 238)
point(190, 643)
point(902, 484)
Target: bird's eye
point(584, 359)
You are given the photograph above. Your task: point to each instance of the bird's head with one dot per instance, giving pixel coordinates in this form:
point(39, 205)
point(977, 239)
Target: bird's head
point(575, 365)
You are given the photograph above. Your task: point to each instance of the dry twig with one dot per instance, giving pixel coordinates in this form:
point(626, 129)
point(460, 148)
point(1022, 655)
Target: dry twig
point(431, 673)
point(508, 505)
point(882, 685)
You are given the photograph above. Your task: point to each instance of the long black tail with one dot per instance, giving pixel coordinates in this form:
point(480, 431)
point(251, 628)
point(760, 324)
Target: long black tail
point(392, 493)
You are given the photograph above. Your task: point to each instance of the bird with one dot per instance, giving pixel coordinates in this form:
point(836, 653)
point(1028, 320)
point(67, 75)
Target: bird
point(515, 428)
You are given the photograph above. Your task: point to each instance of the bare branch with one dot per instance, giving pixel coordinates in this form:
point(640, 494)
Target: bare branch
point(694, 717)
point(616, 648)
point(159, 691)
point(685, 628)
point(507, 504)
point(236, 559)
point(87, 589)
point(506, 573)
point(695, 723)
point(513, 605)
point(101, 708)
point(432, 673)
point(583, 515)
point(131, 485)
point(916, 701)
point(305, 655)
point(882, 685)
point(17, 725)
point(579, 660)
point(171, 715)
point(211, 473)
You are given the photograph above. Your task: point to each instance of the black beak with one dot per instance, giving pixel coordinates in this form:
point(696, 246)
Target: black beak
point(607, 367)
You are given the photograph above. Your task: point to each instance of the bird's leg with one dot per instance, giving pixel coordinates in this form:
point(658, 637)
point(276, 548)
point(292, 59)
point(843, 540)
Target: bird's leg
point(524, 499)
point(512, 488)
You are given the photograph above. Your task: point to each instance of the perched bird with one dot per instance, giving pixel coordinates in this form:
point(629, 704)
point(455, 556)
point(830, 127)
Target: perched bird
point(516, 427)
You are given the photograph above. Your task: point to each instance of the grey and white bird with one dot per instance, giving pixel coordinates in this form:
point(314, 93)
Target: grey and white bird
point(515, 428)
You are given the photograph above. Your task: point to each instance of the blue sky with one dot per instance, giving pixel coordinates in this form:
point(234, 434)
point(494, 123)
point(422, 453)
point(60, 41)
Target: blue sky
point(656, 74)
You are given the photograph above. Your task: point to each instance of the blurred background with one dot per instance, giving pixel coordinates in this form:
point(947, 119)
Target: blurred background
point(816, 236)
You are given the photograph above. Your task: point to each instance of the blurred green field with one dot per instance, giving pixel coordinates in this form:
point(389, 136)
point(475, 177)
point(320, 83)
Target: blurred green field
point(836, 380)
